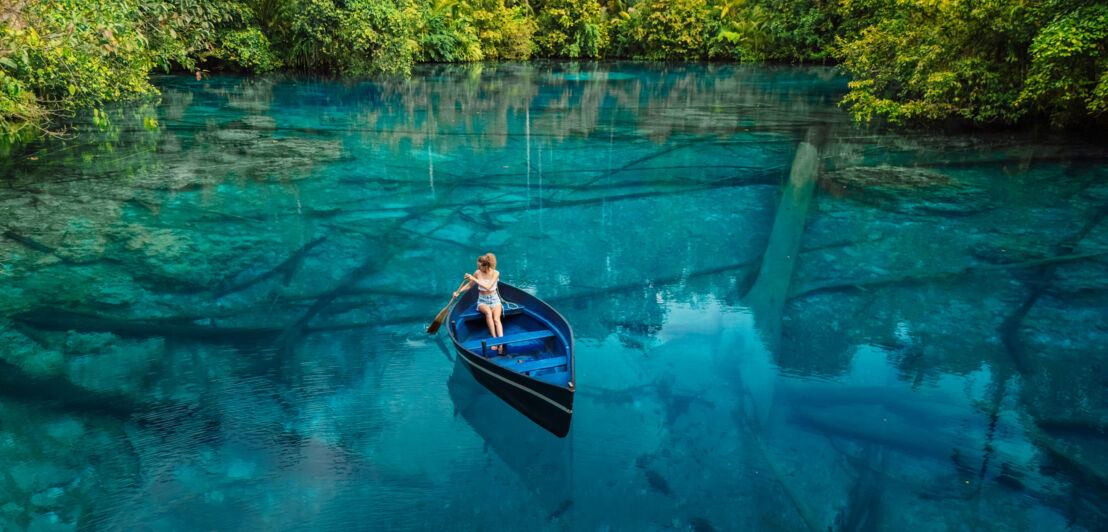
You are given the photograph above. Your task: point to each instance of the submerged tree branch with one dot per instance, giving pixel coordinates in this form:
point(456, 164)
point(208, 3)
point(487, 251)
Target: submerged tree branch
point(287, 267)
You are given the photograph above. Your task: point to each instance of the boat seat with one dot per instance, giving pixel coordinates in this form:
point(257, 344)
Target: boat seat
point(509, 309)
point(534, 365)
point(530, 335)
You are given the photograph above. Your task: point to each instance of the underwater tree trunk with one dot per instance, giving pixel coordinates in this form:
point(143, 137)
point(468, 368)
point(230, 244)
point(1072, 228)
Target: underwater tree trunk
point(752, 355)
point(770, 290)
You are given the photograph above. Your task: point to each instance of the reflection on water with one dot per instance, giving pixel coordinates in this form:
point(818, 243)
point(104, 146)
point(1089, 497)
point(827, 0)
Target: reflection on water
point(783, 322)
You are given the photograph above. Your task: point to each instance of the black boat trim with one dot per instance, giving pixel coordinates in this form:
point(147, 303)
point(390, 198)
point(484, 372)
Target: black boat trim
point(520, 386)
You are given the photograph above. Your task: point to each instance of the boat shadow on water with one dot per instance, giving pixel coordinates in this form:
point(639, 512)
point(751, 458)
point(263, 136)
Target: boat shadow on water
point(542, 462)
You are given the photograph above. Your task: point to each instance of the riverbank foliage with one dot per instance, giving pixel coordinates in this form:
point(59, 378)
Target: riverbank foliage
point(974, 61)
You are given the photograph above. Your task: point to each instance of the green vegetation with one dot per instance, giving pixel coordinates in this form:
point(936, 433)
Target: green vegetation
point(984, 61)
point(571, 28)
point(975, 61)
point(662, 30)
point(59, 55)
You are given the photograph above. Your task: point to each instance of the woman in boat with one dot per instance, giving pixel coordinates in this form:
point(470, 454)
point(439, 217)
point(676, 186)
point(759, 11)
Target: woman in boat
point(488, 299)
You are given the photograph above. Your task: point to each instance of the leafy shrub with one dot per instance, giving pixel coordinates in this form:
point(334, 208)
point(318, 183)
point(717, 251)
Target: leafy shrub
point(800, 30)
point(78, 53)
point(982, 61)
point(959, 59)
point(250, 49)
point(504, 32)
point(314, 37)
point(446, 34)
point(21, 115)
point(361, 37)
point(570, 28)
point(180, 32)
point(251, 34)
point(1068, 76)
point(739, 32)
point(663, 30)
point(379, 37)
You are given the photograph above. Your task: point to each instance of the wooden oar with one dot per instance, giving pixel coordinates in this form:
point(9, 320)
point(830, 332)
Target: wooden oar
point(434, 327)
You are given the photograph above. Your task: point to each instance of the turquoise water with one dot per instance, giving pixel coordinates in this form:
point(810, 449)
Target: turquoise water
point(782, 321)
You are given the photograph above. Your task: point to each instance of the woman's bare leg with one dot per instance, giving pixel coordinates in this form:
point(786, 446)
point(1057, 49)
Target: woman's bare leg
point(499, 326)
point(484, 309)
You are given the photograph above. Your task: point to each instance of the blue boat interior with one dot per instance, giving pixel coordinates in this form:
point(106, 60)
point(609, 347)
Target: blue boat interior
point(533, 346)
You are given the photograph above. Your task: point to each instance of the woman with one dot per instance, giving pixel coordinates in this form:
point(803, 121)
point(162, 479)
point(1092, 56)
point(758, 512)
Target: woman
point(488, 299)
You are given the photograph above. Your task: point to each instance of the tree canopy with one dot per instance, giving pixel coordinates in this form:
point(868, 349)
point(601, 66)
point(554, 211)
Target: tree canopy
point(973, 61)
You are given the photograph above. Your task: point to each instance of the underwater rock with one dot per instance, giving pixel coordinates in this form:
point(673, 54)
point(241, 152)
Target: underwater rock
point(30, 477)
point(657, 482)
point(283, 158)
point(1086, 276)
point(65, 431)
point(50, 522)
point(165, 256)
point(116, 291)
point(27, 242)
point(47, 498)
point(910, 190)
point(231, 135)
point(119, 370)
point(162, 254)
point(259, 121)
point(84, 343)
point(159, 244)
point(241, 469)
point(81, 242)
point(12, 297)
point(59, 462)
point(61, 284)
point(1065, 357)
point(899, 177)
point(874, 424)
point(700, 524)
point(1011, 250)
point(28, 355)
point(59, 393)
point(1097, 193)
point(10, 516)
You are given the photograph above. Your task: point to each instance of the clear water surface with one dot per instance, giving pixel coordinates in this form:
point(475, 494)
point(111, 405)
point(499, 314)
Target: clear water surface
point(783, 321)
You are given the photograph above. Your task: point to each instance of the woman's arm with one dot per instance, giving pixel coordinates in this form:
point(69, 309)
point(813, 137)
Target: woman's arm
point(482, 284)
point(465, 286)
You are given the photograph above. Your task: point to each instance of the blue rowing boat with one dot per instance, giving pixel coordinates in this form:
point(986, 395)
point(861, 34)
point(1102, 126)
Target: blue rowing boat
point(535, 373)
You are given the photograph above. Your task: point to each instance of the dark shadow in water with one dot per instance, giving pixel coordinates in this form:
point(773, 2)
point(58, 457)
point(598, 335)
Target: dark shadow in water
point(61, 393)
point(55, 319)
point(542, 461)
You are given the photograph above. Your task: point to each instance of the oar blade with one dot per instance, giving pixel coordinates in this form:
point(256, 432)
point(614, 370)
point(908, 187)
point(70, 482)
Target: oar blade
point(434, 328)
